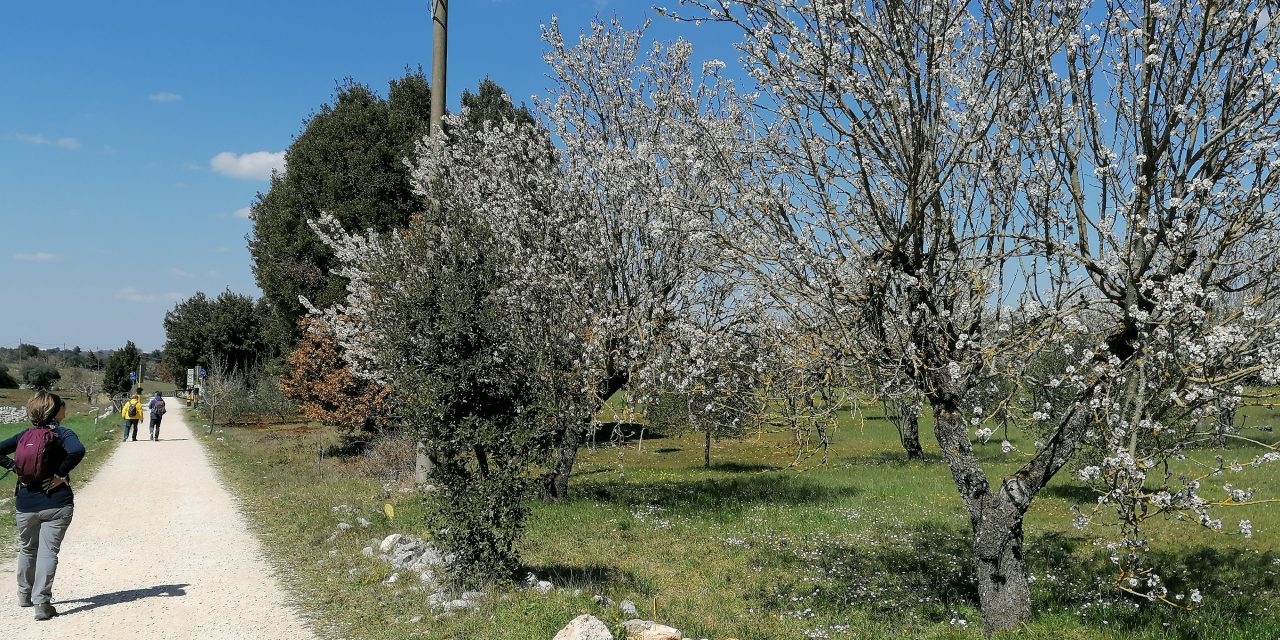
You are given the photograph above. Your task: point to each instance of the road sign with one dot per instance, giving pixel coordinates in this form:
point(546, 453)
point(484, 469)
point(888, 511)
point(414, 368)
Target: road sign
point(203, 373)
point(133, 377)
point(191, 377)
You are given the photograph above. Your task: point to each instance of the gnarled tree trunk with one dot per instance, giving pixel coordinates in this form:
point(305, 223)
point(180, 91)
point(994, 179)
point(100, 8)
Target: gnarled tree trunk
point(1004, 595)
point(908, 424)
point(555, 483)
point(1003, 591)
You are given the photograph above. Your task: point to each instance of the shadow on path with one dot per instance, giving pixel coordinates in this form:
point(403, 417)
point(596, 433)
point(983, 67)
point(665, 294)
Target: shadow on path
point(121, 597)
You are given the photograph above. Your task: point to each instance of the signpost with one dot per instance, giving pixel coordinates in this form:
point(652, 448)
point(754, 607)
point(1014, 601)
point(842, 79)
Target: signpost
point(191, 378)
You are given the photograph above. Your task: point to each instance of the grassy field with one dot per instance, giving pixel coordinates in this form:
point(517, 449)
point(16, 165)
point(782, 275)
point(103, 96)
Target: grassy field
point(865, 546)
point(99, 440)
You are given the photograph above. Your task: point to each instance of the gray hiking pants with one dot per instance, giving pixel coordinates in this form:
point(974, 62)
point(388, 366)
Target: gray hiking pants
point(40, 535)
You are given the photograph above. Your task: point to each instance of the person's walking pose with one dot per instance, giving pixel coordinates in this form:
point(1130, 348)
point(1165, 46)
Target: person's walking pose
point(43, 457)
point(157, 409)
point(132, 414)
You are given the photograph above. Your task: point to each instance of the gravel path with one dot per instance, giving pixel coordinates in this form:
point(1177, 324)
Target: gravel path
point(157, 550)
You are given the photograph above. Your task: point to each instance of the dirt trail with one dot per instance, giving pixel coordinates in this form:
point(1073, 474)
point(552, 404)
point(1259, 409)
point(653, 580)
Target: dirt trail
point(157, 550)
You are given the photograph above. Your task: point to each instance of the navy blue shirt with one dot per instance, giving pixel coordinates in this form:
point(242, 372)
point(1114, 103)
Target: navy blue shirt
point(33, 499)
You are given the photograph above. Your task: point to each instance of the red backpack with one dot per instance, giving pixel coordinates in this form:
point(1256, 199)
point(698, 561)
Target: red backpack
point(38, 455)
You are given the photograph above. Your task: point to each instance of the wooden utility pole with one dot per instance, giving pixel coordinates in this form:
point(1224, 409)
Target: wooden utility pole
point(439, 53)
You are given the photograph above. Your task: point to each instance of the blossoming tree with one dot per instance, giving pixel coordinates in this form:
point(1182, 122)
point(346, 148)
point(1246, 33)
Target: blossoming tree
point(945, 186)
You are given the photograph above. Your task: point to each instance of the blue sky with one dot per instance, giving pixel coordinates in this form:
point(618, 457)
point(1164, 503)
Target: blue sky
point(135, 134)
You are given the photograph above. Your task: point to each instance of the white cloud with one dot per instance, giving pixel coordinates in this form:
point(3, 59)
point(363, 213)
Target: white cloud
point(242, 212)
point(257, 165)
point(179, 273)
point(164, 96)
point(36, 138)
point(35, 257)
point(129, 294)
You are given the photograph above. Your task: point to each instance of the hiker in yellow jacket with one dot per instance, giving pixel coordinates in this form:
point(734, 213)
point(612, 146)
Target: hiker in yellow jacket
point(132, 414)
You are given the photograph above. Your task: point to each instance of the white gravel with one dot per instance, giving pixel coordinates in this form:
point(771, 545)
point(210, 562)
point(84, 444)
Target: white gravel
point(158, 550)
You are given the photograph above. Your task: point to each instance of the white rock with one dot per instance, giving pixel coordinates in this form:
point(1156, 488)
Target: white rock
point(455, 605)
point(368, 551)
point(650, 630)
point(628, 607)
point(362, 522)
point(389, 542)
point(343, 526)
point(391, 579)
point(543, 586)
point(585, 627)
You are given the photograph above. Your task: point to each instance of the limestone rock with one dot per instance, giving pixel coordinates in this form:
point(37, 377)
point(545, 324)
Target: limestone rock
point(389, 542)
point(585, 627)
point(628, 608)
point(650, 630)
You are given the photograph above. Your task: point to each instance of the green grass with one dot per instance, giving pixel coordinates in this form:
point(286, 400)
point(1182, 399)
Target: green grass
point(866, 546)
point(99, 441)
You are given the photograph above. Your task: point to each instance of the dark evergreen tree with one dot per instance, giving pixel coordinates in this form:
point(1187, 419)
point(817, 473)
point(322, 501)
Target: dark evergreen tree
point(227, 329)
point(122, 362)
point(348, 162)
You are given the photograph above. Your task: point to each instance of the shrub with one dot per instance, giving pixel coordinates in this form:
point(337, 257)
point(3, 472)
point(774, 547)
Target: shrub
point(325, 389)
point(6, 379)
point(40, 375)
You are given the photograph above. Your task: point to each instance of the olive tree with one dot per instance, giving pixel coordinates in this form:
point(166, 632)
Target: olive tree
point(475, 332)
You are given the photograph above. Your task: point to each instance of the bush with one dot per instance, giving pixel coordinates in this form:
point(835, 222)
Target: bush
point(325, 389)
point(6, 379)
point(389, 458)
point(40, 375)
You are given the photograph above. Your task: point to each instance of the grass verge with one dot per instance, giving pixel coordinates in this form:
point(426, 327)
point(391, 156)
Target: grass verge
point(865, 546)
point(99, 441)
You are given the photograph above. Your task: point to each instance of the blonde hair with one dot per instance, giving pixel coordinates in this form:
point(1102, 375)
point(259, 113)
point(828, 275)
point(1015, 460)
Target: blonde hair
point(43, 408)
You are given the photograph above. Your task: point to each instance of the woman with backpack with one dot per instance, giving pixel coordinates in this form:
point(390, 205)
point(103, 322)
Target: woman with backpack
point(132, 414)
point(157, 409)
point(43, 457)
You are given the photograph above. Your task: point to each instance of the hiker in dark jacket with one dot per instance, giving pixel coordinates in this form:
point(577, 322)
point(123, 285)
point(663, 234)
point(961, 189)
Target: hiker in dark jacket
point(157, 409)
point(44, 511)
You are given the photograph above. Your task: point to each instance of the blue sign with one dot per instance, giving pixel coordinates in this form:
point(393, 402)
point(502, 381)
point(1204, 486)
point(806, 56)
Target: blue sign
point(203, 373)
point(133, 377)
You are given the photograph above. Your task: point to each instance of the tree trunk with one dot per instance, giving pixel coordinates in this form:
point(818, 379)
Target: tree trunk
point(1004, 595)
point(909, 428)
point(706, 450)
point(1003, 592)
point(556, 482)
point(1224, 424)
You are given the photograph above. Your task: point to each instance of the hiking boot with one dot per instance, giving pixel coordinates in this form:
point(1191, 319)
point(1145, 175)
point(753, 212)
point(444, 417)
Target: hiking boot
point(24, 601)
point(44, 611)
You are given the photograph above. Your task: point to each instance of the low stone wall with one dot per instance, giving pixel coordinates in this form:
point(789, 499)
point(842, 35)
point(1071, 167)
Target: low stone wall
point(13, 415)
